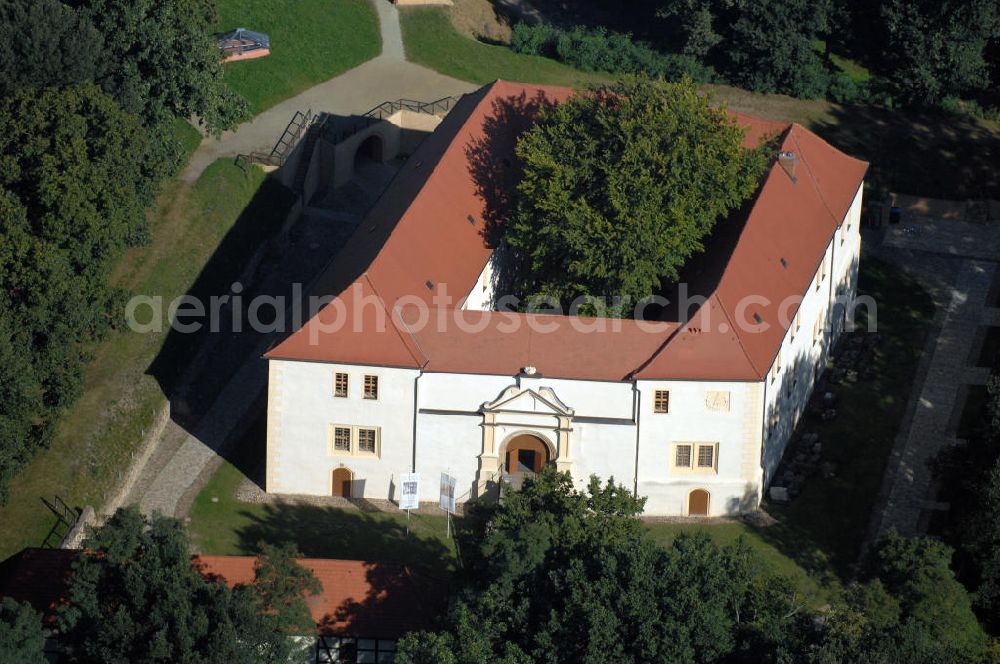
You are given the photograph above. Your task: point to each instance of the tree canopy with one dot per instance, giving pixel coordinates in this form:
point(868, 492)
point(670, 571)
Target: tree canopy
point(168, 63)
point(45, 43)
point(620, 186)
point(74, 179)
point(89, 92)
point(558, 575)
point(136, 597)
point(22, 639)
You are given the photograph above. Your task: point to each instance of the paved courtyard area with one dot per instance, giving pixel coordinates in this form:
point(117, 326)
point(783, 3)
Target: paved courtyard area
point(956, 261)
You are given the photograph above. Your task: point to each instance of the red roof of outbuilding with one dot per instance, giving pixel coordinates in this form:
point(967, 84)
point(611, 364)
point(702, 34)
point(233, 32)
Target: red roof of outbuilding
point(418, 244)
point(359, 598)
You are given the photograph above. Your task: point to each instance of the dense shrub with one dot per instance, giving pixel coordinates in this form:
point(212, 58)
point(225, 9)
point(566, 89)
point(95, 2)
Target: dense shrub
point(601, 50)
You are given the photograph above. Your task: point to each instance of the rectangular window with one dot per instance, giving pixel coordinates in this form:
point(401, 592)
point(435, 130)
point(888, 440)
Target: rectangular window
point(371, 387)
point(776, 367)
point(696, 457)
point(706, 456)
point(794, 327)
point(661, 401)
point(340, 383)
point(682, 456)
point(341, 439)
point(366, 441)
point(818, 328)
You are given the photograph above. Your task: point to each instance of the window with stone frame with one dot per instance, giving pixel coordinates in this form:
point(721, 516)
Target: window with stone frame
point(367, 441)
point(661, 401)
point(706, 456)
point(341, 383)
point(371, 387)
point(342, 439)
point(682, 456)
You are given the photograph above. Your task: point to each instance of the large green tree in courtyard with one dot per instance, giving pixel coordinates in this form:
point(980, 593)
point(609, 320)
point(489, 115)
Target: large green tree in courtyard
point(621, 184)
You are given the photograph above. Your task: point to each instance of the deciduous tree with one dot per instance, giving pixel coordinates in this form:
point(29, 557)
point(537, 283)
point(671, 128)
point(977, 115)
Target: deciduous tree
point(621, 185)
point(22, 639)
point(166, 60)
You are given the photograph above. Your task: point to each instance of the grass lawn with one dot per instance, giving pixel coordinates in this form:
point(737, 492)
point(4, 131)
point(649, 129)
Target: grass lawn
point(432, 40)
point(311, 42)
point(100, 432)
point(222, 525)
point(823, 528)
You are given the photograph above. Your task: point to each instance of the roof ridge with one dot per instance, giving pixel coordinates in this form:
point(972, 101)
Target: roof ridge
point(736, 333)
point(420, 363)
point(812, 176)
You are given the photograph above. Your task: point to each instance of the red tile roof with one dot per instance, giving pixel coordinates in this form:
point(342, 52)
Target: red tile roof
point(361, 599)
point(418, 243)
point(39, 577)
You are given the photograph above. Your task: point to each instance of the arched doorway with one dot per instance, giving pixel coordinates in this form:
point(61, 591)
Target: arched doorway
point(342, 480)
point(526, 453)
point(698, 501)
point(369, 150)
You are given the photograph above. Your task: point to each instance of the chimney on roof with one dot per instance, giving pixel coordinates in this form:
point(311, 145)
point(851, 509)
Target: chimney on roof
point(787, 160)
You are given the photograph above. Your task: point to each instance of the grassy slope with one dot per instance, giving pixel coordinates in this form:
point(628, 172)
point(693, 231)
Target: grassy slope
point(431, 40)
point(823, 528)
point(311, 42)
point(99, 432)
point(927, 154)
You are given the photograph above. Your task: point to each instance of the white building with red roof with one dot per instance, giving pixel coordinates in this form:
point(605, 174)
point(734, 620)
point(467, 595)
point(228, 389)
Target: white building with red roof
point(410, 368)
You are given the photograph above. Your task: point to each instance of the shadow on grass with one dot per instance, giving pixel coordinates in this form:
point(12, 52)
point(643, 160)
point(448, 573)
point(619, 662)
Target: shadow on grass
point(927, 153)
point(824, 527)
point(330, 532)
point(259, 220)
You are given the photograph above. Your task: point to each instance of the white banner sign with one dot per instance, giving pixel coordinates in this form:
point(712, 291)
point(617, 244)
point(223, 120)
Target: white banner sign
point(409, 495)
point(448, 493)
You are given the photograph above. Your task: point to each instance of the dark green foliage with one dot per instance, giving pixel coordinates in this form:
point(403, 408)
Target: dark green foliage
point(917, 572)
point(970, 477)
point(558, 575)
point(620, 186)
point(931, 49)
point(982, 542)
point(600, 50)
point(74, 179)
point(869, 627)
point(762, 46)
point(166, 60)
point(136, 597)
point(768, 47)
point(21, 636)
point(45, 43)
point(278, 597)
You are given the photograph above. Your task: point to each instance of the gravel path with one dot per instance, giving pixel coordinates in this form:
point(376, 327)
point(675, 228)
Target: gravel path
point(188, 450)
point(386, 77)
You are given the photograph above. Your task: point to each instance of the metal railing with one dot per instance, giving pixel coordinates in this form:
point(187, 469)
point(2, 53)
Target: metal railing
point(294, 131)
point(335, 134)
